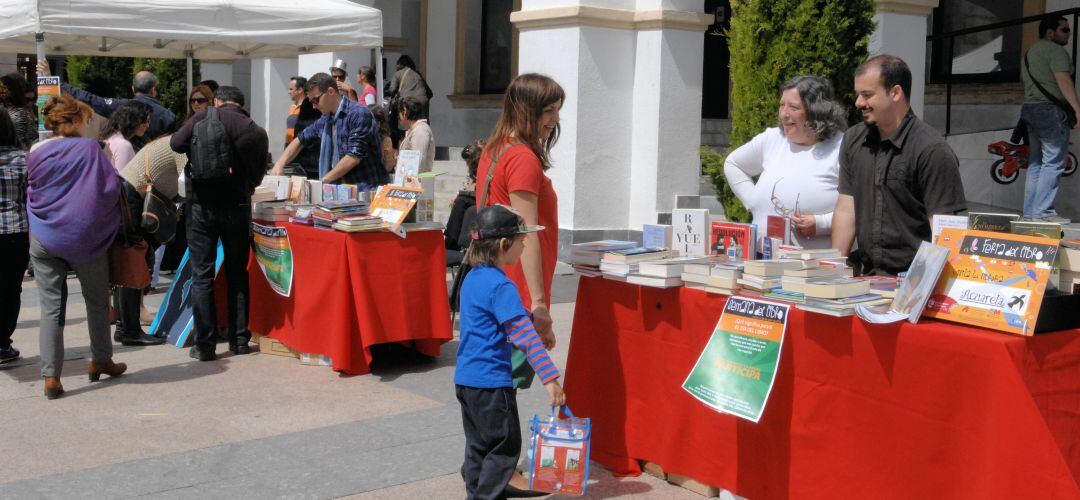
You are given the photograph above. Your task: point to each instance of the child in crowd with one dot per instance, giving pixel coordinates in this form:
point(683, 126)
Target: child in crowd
point(492, 318)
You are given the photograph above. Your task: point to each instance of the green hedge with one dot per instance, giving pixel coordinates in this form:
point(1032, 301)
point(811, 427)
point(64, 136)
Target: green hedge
point(773, 40)
point(111, 77)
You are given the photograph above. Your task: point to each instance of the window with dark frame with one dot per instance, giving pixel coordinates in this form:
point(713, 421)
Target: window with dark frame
point(496, 46)
point(991, 56)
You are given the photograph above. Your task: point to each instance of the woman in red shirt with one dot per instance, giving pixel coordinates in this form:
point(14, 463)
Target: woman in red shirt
point(520, 147)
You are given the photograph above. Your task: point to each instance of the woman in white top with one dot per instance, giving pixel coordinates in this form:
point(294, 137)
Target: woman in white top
point(796, 164)
point(131, 119)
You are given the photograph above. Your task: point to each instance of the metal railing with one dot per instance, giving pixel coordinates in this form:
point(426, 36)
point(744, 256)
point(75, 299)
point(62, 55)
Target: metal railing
point(949, 38)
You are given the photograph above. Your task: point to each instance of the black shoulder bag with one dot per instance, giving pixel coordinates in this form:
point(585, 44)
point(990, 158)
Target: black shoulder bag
point(459, 278)
point(1070, 115)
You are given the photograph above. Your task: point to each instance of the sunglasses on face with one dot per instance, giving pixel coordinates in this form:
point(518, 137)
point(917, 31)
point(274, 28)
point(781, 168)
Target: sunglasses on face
point(1065, 30)
point(315, 100)
point(339, 78)
point(199, 100)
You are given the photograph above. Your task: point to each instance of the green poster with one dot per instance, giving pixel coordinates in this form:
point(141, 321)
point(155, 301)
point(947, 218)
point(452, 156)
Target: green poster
point(274, 255)
point(736, 370)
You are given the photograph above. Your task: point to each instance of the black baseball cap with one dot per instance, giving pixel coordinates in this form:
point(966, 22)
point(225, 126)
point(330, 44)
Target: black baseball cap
point(500, 221)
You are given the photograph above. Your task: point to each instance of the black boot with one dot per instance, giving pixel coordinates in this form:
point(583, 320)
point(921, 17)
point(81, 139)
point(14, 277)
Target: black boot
point(128, 330)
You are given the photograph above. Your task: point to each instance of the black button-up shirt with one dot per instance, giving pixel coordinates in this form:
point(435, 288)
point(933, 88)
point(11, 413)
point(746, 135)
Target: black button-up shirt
point(898, 183)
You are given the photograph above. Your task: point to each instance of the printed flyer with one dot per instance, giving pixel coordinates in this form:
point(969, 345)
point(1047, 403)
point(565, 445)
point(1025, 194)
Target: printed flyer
point(736, 370)
point(993, 280)
point(274, 255)
point(47, 88)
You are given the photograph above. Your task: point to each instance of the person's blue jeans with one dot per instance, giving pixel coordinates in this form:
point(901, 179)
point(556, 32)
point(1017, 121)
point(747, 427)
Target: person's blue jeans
point(1048, 138)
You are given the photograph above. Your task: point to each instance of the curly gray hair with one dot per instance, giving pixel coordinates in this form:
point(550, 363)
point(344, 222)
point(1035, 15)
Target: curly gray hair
point(824, 115)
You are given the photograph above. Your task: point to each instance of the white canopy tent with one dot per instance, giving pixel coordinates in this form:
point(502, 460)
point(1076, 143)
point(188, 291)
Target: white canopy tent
point(219, 30)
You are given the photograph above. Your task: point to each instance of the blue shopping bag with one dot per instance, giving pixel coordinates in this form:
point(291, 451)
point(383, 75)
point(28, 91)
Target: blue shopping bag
point(559, 453)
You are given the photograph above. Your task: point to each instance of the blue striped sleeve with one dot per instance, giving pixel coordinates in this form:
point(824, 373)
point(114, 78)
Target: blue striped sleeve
point(521, 333)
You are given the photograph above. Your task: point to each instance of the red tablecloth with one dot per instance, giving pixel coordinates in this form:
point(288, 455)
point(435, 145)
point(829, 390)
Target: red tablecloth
point(351, 291)
point(933, 410)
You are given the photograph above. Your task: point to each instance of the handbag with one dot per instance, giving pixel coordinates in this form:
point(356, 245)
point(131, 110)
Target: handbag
point(559, 453)
point(158, 213)
point(127, 259)
point(521, 371)
point(1070, 114)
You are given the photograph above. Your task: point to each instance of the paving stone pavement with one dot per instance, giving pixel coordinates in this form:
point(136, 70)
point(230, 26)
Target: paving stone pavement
point(255, 426)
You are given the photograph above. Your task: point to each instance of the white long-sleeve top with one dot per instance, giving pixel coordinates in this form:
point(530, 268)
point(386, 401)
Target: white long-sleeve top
point(807, 173)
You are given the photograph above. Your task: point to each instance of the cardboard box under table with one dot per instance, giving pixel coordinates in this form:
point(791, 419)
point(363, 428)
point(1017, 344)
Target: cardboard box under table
point(352, 291)
point(931, 410)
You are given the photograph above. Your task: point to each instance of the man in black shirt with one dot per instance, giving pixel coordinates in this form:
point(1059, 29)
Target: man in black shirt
point(222, 209)
point(896, 172)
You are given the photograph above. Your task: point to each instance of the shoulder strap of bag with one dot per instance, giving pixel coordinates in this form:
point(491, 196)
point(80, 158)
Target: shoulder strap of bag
point(490, 175)
point(1039, 86)
point(149, 181)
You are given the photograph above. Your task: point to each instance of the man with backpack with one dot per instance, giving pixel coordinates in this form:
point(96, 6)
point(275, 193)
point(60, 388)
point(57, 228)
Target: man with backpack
point(227, 155)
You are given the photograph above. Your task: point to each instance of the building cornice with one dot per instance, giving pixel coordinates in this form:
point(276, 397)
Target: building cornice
point(601, 17)
point(910, 7)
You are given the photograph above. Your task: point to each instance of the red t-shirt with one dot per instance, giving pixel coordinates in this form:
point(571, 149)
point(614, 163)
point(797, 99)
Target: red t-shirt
point(520, 170)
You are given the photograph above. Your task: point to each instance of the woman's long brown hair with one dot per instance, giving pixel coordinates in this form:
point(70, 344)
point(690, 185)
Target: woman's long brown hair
point(523, 106)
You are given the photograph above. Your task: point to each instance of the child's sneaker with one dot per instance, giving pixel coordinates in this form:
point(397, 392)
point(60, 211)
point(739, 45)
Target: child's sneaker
point(8, 354)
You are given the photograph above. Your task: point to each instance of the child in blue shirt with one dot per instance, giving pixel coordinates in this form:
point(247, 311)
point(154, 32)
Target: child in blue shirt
point(492, 319)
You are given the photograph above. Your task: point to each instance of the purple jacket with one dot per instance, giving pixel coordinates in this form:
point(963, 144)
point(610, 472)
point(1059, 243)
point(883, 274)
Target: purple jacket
point(73, 198)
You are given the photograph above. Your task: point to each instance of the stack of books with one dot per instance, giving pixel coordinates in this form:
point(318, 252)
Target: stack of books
point(263, 193)
point(326, 213)
point(842, 306)
point(717, 274)
point(620, 264)
point(585, 257)
point(765, 275)
point(270, 211)
point(662, 273)
point(359, 223)
point(301, 214)
point(794, 280)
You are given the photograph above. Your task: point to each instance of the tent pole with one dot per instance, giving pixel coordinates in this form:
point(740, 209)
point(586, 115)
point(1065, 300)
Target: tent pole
point(379, 74)
point(190, 82)
point(39, 41)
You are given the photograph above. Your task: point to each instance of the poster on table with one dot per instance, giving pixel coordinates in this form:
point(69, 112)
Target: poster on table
point(737, 368)
point(47, 88)
point(392, 204)
point(274, 255)
point(993, 280)
point(175, 317)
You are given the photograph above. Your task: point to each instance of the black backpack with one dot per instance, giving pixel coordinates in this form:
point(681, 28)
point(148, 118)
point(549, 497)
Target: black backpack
point(211, 155)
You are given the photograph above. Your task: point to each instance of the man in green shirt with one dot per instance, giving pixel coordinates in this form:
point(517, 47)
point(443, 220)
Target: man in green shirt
point(1048, 93)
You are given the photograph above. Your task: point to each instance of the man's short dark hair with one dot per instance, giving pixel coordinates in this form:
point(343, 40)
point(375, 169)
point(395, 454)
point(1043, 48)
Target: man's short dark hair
point(144, 82)
point(893, 70)
point(412, 108)
point(213, 84)
point(228, 93)
point(320, 81)
point(1050, 23)
point(299, 81)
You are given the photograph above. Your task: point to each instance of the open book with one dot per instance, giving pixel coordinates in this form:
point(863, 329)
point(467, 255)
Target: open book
point(911, 297)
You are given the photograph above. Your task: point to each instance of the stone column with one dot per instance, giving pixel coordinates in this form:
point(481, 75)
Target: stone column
point(269, 100)
point(631, 121)
point(901, 31)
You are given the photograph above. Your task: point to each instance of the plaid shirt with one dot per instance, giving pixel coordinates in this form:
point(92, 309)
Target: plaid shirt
point(13, 191)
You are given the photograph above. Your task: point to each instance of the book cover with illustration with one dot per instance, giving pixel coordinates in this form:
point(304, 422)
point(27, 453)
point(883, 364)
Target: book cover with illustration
point(742, 236)
point(993, 280)
point(393, 203)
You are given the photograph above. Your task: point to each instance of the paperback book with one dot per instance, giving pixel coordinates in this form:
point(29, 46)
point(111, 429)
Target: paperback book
point(914, 292)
